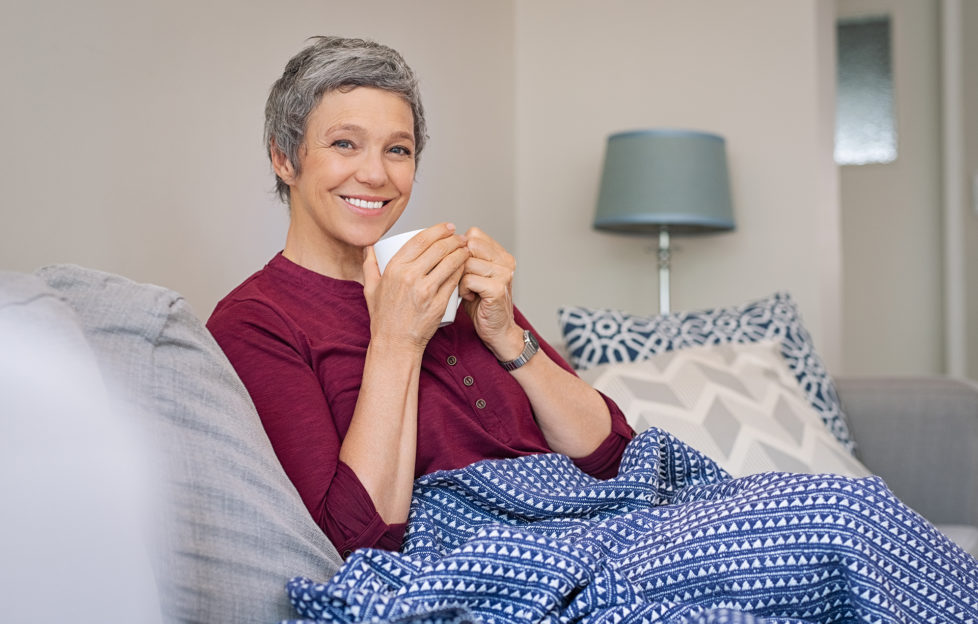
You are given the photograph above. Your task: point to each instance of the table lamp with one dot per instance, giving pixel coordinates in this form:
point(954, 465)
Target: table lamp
point(663, 182)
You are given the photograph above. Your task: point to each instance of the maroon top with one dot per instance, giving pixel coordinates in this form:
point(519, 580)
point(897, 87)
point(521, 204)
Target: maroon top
point(298, 340)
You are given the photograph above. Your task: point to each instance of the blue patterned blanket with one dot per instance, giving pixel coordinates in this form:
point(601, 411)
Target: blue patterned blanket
point(671, 539)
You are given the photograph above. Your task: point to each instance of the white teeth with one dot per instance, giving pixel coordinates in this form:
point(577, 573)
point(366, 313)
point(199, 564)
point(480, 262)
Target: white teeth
point(369, 205)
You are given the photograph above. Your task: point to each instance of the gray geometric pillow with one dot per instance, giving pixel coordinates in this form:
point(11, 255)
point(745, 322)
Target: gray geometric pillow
point(738, 403)
point(236, 529)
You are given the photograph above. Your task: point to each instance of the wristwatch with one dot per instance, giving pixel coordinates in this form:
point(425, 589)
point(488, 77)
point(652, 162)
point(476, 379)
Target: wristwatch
point(530, 347)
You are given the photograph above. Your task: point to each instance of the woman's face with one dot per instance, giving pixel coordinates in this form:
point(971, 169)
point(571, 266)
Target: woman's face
point(357, 172)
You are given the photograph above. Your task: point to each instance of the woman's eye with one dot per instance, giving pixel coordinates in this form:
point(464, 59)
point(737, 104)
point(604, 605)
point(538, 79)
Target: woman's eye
point(401, 150)
point(343, 144)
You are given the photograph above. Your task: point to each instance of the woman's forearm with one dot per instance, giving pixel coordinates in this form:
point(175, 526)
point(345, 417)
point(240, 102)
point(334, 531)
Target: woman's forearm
point(381, 443)
point(573, 417)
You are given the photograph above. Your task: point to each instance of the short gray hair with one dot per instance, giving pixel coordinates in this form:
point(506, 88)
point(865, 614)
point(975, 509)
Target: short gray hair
point(332, 63)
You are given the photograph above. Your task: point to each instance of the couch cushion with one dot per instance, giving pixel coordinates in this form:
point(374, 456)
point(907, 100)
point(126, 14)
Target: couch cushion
point(238, 530)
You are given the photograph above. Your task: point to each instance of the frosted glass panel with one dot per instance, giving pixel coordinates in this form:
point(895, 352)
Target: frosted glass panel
point(865, 128)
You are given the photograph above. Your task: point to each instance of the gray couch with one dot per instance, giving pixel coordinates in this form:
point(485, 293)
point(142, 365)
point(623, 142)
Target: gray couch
point(229, 528)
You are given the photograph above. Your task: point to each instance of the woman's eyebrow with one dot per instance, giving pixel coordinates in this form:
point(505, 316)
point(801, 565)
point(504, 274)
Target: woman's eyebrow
point(399, 135)
point(345, 128)
point(403, 135)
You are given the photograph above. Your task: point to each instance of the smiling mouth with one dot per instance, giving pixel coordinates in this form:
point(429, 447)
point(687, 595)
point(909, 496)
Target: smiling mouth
point(366, 205)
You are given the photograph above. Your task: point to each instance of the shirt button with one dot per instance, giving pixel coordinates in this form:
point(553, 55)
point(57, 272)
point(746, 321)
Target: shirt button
point(468, 380)
point(481, 403)
point(452, 360)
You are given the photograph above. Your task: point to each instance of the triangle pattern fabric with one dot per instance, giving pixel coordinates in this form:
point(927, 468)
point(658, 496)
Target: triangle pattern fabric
point(671, 539)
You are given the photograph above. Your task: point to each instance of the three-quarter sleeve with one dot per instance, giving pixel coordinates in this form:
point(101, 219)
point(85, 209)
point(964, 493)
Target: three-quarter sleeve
point(267, 354)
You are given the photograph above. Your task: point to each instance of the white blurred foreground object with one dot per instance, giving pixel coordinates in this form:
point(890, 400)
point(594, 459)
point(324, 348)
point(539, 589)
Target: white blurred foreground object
point(74, 518)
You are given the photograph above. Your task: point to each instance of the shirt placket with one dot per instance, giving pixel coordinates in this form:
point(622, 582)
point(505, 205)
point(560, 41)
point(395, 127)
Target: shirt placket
point(480, 403)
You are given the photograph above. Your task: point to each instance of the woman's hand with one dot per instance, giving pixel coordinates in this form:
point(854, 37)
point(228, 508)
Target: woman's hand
point(486, 290)
point(407, 303)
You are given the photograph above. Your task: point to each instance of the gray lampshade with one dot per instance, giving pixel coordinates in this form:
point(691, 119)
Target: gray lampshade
point(676, 178)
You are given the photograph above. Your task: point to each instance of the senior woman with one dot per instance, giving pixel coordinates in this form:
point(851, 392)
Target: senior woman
point(358, 388)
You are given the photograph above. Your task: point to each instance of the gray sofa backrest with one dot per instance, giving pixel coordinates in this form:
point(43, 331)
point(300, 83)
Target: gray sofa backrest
point(234, 529)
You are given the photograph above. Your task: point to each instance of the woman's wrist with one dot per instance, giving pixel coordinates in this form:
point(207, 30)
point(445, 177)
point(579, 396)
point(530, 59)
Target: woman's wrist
point(511, 346)
point(396, 348)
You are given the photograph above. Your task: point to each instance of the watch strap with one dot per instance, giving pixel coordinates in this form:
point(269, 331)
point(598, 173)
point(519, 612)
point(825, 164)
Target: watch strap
point(530, 347)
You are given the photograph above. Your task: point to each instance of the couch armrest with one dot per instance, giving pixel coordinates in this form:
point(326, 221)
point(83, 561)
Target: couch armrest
point(921, 435)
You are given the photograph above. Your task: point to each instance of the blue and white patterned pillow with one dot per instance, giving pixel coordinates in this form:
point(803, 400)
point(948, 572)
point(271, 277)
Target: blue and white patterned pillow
point(595, 336)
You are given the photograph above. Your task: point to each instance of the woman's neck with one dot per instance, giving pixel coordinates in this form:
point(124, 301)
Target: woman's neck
point(345, 263)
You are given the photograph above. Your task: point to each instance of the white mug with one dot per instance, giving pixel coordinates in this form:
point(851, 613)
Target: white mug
point(386, 248)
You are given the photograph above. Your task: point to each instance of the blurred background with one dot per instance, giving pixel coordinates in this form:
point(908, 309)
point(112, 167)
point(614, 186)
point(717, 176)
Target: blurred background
point(134, 146)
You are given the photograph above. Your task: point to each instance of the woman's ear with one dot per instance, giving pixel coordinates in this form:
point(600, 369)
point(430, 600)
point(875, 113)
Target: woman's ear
point(281, 164)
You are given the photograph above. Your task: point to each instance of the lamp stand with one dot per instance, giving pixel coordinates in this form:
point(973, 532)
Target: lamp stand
point(665, 255)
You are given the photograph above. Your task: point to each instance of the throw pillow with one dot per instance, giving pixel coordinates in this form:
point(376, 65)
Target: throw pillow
point(739, 404)
point(235, 528)
point(600, 336)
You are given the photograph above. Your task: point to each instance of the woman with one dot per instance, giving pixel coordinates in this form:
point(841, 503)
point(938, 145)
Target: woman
point(359, 390)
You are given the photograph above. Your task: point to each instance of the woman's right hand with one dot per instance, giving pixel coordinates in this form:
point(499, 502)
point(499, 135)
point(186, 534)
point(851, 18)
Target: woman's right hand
point(407, 303)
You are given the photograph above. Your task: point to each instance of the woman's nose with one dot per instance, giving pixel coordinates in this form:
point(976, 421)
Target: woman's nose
point(372, 170)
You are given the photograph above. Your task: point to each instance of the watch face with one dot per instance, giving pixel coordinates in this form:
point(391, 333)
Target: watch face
point(532, 346)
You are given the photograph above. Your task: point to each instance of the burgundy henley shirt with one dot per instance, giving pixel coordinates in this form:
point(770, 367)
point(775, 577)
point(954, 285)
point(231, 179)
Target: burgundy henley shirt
point(298, 340)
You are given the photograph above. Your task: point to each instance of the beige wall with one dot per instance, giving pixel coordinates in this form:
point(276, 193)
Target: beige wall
point(134, 128)
point(755, 73)
point(134, 138)
point(892, 213)
point(969, 212)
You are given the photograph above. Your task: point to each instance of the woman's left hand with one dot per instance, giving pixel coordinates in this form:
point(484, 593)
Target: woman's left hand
point(486, 290)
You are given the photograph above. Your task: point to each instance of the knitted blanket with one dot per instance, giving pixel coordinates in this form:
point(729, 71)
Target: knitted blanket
point(671, 539)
